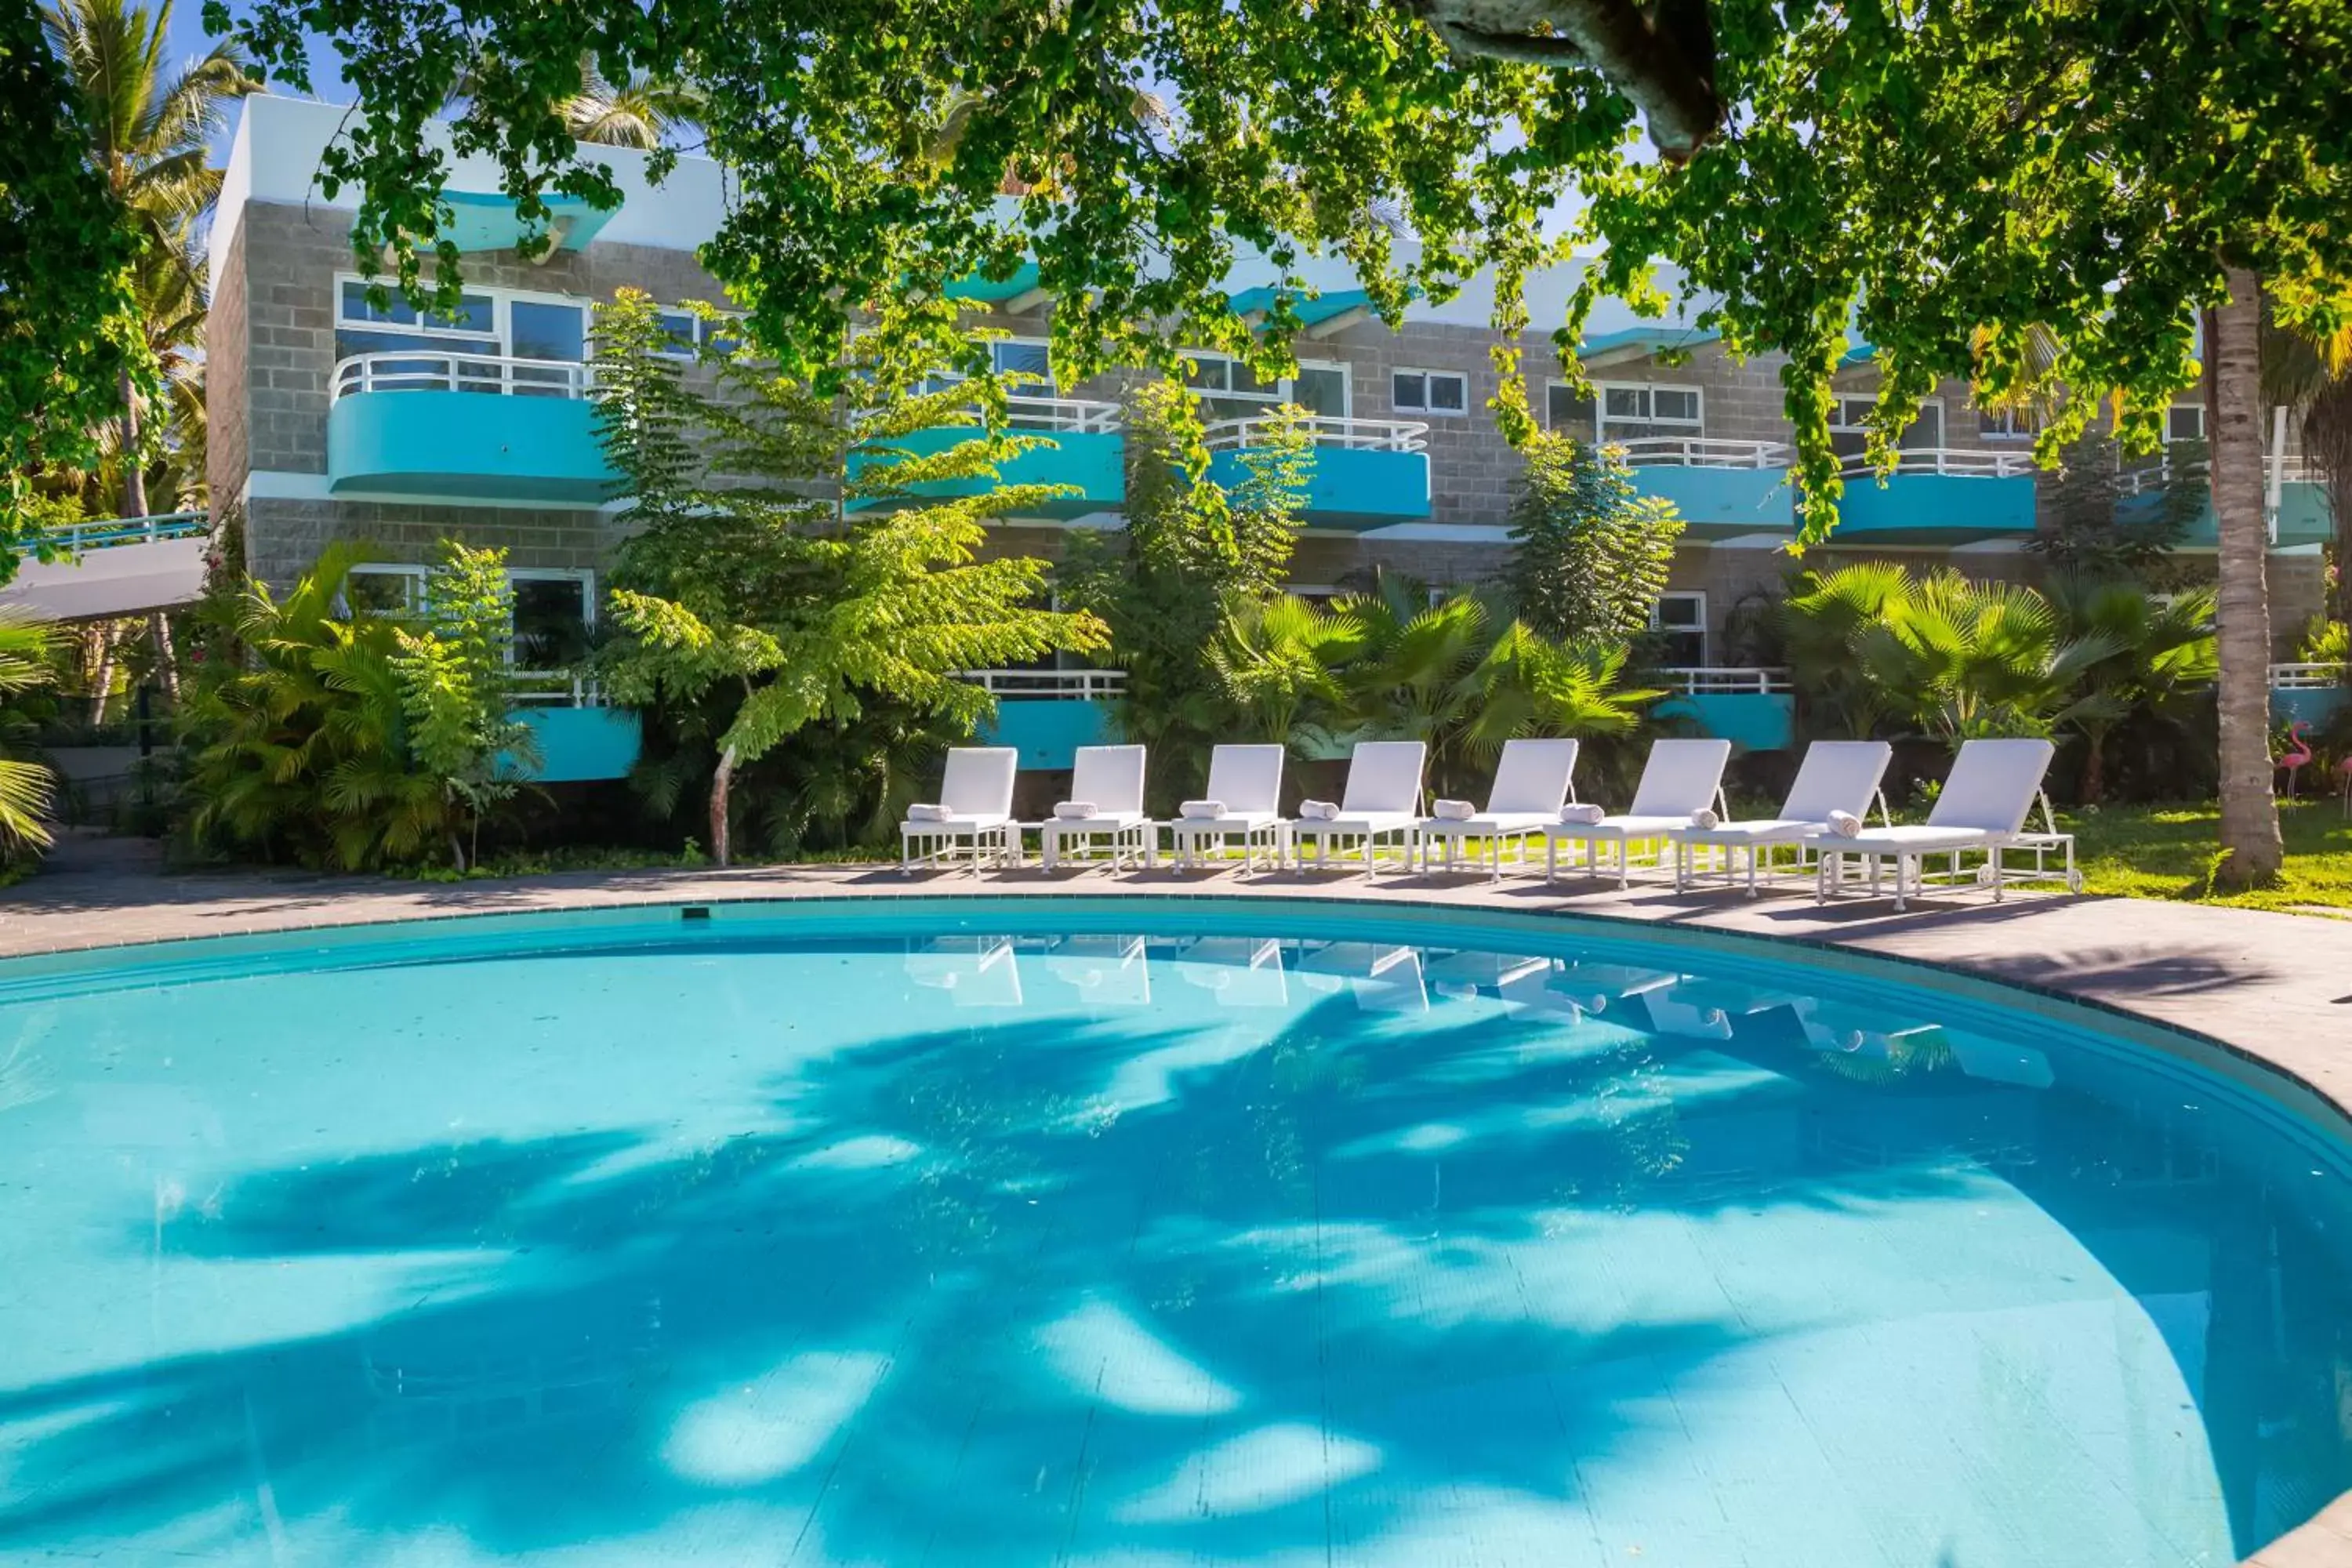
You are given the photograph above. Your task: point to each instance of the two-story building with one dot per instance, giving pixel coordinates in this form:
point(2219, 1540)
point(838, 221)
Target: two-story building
point(332, 418)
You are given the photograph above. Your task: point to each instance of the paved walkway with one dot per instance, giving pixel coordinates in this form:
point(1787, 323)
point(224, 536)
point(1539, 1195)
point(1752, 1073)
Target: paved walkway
point(2276, 988)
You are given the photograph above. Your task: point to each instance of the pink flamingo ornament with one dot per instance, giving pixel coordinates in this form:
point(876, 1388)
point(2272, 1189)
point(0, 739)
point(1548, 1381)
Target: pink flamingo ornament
point(2298, 752)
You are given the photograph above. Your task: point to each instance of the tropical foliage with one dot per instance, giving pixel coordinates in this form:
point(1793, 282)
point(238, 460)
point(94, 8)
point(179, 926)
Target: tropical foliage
point(753, 609)
point(26, 784)
point(1193, 555)
point(1458, 674)
point(1590, 553)
point(2107, 516)
point(331, 737)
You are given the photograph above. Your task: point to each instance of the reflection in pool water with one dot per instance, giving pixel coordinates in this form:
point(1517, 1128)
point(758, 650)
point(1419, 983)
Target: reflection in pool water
point(735, 1248)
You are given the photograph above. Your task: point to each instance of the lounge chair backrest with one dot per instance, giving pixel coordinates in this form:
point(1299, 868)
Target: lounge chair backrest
point(979, 781)
point(1532, 775)
point(1110, 776)
point(1836, 775)
point(1993, 785)
point(1385, 775)
point(1681, 777)
point(1248, 779)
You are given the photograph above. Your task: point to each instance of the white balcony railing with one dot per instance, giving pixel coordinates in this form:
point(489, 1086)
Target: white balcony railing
point(2307, 676)
point(1700, 452)
point(2291, 467)
point(1965, 462)
point(557, 689)
point(1061, 415)
point(1088, 684)
point(105, 533)
point(1349, 435)
point(1710, 680)
point(435, 369)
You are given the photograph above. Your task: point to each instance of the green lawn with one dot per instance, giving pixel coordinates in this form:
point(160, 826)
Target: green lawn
point(2167, 852)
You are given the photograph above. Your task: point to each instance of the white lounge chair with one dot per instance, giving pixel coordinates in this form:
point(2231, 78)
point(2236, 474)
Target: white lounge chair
point(1837, 778)
point(1679, 778)
point(1983, 807)
point(1382, 801)
point(1244, 790)
point(1532, 781)
point(973, 816)
point(1109, 780)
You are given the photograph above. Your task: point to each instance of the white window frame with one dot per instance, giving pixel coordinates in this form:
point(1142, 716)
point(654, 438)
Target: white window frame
point(1694, 428)
point(413, 597)
point(1424, 408)
point(2000, 425)
point(2173, 408)
point(939, 380)
point(1841, 426)
point(1552, 387)
point(1284, 391)
point(501, 334)
point(415, 576)
point(1697, 597)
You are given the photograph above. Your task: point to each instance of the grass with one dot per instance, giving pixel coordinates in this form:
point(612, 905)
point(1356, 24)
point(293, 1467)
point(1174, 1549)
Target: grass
point(2169, 852)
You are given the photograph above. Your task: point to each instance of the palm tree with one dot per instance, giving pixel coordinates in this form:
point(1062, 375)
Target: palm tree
point(1273, 658)
point(639, 111)
point(25, 785)
point(2164, 659)
point(1969, 659)
point(2252, 847)
point(151, 131)
point(1820, 622)
point(2312, 376)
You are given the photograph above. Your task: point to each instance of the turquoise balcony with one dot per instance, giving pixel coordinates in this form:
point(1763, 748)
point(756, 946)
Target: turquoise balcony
point(465, 426)
point(1940, 495)
point(1047, 714)
point(1088, 454)
point(1722, 488)
point(2296, 504)
point(1361, 474)
point(1754, 708)
point(580, 739)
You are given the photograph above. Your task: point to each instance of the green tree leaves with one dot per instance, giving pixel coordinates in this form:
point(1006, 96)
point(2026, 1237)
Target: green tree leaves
point(1589, 553)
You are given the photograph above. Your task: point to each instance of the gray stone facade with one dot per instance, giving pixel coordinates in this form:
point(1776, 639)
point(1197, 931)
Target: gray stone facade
point(270, 355)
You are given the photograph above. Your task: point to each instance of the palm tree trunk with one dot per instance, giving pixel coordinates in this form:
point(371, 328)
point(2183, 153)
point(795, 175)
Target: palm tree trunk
point(2250, 825)
point(135, 477)
point(167, 667)
point(103, 677)
point(720, 782)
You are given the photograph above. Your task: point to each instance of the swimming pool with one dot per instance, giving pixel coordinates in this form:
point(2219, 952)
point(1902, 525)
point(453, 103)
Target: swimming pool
point(1144, 1232)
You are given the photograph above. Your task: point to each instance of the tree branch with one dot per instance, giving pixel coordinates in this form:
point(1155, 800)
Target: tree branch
point(1662, 58)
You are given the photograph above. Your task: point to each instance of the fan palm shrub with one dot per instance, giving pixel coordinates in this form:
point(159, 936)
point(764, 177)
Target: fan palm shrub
point(2160, 669)
point(26, 785)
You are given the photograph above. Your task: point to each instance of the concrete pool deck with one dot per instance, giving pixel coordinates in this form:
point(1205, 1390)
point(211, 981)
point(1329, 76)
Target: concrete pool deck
point(2274, 988)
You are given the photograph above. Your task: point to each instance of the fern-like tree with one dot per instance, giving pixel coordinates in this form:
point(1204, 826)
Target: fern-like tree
point(2101, 520)
point(1193, 554)
point(457, 692)
point(745, 593)
point(1589, 553)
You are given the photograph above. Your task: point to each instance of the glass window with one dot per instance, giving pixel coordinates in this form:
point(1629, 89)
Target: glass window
point(474, 314)
point(1644, 412)
point(386, 591)
point(550, 621)
point(2184, 421)
point(1847, 434)
point(1025, 359)
point(1565, 412)
point(679, 327)
point(1430, 392)
point(1679, 622)
point(2009, 423)
point(1321, 390)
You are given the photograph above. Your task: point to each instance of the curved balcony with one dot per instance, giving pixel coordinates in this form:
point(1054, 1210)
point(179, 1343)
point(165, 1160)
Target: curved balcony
point(581, 737)
point(1939, 495)
point(1047, 714)
point(1752, 706)
point(1361, 473)
point(2294, 500)
point(1721, 487)
point(1088, 453)
point(457, 425)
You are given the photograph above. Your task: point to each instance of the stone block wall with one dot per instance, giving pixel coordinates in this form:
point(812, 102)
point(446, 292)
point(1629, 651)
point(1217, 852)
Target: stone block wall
point(284, 537)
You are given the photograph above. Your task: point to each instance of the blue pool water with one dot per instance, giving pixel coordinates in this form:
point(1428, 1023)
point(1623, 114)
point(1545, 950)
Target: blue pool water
point(1095, 1234)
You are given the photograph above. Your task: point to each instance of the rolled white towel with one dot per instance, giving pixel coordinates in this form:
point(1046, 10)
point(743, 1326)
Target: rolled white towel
point(1076, 810)
point(1704, 818)
point(1319, 811)
point(1202, 810)
point(1844, 824)
point(929, 814)
point(1581, 816)
point(1453, 810)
